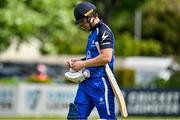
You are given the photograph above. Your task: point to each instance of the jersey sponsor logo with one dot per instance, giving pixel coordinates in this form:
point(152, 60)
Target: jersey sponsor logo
point(101, 100)
point(104, 36)
point(88, 55)
point(93, 43)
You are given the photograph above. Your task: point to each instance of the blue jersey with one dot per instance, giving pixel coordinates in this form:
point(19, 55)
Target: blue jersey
point(101, 33)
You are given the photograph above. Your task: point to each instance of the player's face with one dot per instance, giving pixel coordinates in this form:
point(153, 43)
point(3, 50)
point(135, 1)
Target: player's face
point(84, 24)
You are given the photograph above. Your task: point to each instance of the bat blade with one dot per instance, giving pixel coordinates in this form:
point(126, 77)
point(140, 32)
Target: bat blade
point(115, 87)
point(117, 91)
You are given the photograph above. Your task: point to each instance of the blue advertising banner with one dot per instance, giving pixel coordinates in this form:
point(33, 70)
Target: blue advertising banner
point(156, 102)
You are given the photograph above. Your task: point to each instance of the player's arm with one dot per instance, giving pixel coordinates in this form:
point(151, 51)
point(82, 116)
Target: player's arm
point(103, 58)
point(106, 50)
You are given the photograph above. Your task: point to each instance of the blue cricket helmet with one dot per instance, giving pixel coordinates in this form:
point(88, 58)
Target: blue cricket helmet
point(82, 10)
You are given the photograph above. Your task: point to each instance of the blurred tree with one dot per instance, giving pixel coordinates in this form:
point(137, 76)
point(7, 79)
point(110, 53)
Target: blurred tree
point(47, 20)
point(162, 23)
point(158, 23)
point(52, 22)
point(111, 10)
point(174, 78)
point(126, 45)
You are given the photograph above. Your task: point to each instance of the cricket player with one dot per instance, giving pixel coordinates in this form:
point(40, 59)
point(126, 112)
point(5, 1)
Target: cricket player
point(94, 91)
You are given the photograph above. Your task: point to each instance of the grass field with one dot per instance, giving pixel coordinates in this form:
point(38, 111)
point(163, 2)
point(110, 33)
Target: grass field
point(63, 118)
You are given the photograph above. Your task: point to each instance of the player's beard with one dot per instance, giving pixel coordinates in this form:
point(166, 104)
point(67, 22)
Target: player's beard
point(85, 28)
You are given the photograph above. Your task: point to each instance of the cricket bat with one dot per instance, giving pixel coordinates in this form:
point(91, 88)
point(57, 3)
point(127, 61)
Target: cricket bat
point(115, 87)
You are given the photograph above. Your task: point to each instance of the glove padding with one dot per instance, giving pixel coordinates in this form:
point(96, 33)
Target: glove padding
point(77, 77)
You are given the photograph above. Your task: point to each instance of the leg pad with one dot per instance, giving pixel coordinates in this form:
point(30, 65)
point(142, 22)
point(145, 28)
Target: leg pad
point(73, 112)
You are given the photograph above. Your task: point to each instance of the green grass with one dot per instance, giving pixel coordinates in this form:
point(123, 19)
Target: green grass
point(9, 81)
point(63, 118)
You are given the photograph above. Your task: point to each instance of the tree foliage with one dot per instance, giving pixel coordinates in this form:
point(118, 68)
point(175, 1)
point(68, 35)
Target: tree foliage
point(158, 23)
point(52, 22)
point(126, 45)
point(162, 23)
point(47, 20)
